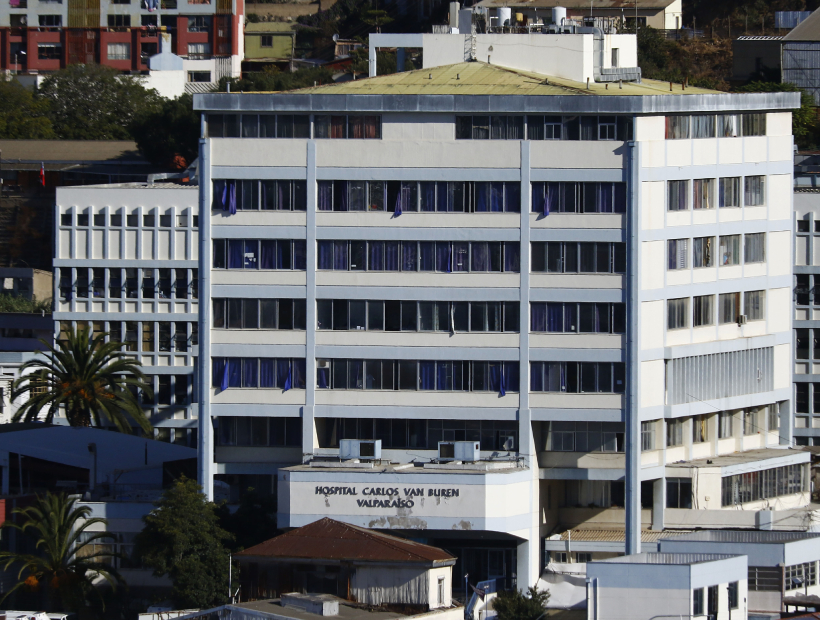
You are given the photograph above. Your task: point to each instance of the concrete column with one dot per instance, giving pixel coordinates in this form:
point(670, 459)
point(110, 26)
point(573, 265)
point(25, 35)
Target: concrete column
point(308, 420)
point(786, 422)
point(400, 57)
point(658, 502)
point(371, 57)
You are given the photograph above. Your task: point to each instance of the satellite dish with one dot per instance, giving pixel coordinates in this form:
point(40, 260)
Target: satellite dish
point(335, 37)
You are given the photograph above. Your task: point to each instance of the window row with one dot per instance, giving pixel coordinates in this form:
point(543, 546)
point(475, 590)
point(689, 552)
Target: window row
point(712, 599)
point(448, 376)
point(578, 257)
point(538, 127)
point(282, 254)
point(424, 196)
point(728, 193)
point(751, 423)
point(417, 316)
point(149, 220)
point(803, 403)
point(438, 256)
point(251, 195)
point(418, 434)
point(766, 484)
point(168, 390)
point(259, 431)
point(728, 246)
point(715, 125)
point(362, 127)
point(259, 314)
point(577, 377)
point(807, 292)
point(571, 317)
point(584, 437)
point(129, 283)
point(728, 309)
point(578, 197)
point(804, 226)
point(800, 576)
point(252, 372)
point(146, 336)
point(804, 344)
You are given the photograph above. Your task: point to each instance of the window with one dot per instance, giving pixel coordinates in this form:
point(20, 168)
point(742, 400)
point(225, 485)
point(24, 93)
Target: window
point(251, 372)
point(678, 254)
point(577, 377)
point(648, 436)
point(678, 313)
point(585, 437)
point(119, 21)
point(725, 421)
point(803, 290)
point(489, 127)
point(729, 250)
point(51, 21)
point(246, 431)
point(571, 317)
point(799, 576)
point(679, 493)
point(769, 483)
point(49, 51)
point(697, 602)
point(728, 308)
point(702, 252)
point(678, 195)
point(703, 126)
point(703, 310)
point(733, 595)
point(571, 257)
point(578, 197)
point(199, 51)
point(754, 124)
point(712, 601)
point(729, 192)
point(566, 128)
point(119, 51)
point(754, 191)
point(677, 127)
point(801, 399)
point(199, 23)
point(727, 126)
point(773, 415)
point(703, 193)
point(674, 433)
point(700, 429)
point(199, 76)
point(266, 40)
point(754, 305)
point(750, 421)
point(269, 254)
point(350, 127)
point(754, 250)
point(247, 195)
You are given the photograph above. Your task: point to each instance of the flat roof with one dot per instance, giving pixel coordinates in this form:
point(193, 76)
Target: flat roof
point(70, 151)
point(741, 458)
point(136, 185)
point(347, 611)
point(766, 537)
point(680, 559)
point(576, 4)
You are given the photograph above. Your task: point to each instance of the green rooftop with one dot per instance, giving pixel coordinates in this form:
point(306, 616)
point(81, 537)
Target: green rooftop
point(479, 78)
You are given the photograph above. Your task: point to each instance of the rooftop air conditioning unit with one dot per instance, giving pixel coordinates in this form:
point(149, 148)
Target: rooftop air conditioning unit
point(741, 320)
point(365, 449)
point(467, 451)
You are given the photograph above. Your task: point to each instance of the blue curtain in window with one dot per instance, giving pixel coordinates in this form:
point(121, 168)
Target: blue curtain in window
point(235, 258)
point(323, 377)
point(283, 374)
point(481, 257)
point(538, 317)
point(356, 377)
point(398, 206)
point(555, 317)
point(325, 255)
point(496, 197)
point(217, 371)
point(427, 375)
point(232, 197)
point(267, 254)
point(620, 198)
point(234, 372)
point(513, 197)
point(299, 373)
point(299, 254)
point(443, 202)
point(511, 376)
point(250, 372)
point(325, 196)
point(375, 261)
point(512, 257)
point(551, 197)
point(408, 256)
point(427, 256)
point(537, 377)
point(340, 256)
point(219, 195)
point(605, 198)
point(251, 247)
point(481, 197)
point(391, 255)
point(442, 380)
point(266, 373)
point(538, 201)
point(443, 257)
point(428, 196)
point(495, 377)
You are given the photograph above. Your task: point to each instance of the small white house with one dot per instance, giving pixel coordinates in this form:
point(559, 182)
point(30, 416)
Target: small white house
point(647, 585)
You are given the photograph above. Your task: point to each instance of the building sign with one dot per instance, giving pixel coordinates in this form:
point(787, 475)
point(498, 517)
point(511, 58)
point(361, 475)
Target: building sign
point(387, 497)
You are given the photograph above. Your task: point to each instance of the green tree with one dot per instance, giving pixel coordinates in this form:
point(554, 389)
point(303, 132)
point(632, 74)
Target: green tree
point(253, 522)
point(92, 379)
point(804, 119)
point(376, 18)
point(22, 117)
point(93, 102)
point(519, 606)
point(168, 135)
point(270, 81)
point(182, 539)
point(65, 563)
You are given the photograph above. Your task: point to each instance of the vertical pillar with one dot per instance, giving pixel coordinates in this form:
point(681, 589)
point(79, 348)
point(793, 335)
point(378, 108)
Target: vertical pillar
point(633, 425)
point(308, 423)
point(206, 431)
point(658, 502)
point(400, 56)
point(371, 57)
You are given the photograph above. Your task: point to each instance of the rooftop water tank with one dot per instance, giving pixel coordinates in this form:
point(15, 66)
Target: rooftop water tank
point(504, 16)
point(559, 14)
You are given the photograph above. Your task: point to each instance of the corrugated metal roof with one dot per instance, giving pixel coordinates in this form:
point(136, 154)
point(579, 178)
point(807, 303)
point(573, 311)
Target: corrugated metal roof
point(577, 4)
point(647, 536)
point(479, 78)
point(328, 539)
point(807, 30)
point(745, 536)
point(666, 558)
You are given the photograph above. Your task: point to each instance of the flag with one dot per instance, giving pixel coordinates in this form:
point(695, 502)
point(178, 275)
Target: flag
point(501, 390)
point(288, 380)
point(397, 210)
point(42, 174)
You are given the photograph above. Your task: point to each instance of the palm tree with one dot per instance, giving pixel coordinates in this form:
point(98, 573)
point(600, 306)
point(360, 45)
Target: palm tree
point(67, 564)
point(92, 379)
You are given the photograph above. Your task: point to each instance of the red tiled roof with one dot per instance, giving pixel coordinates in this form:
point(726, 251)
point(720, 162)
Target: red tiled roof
point(327, 539)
